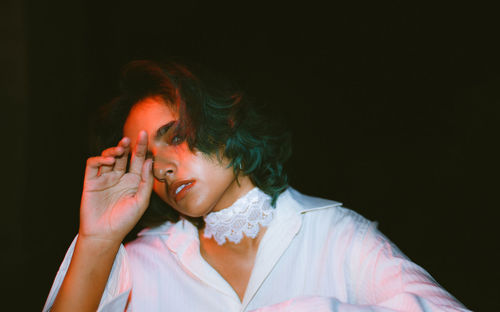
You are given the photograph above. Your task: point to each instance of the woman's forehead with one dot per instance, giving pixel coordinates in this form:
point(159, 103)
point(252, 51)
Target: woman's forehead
point(148, 114)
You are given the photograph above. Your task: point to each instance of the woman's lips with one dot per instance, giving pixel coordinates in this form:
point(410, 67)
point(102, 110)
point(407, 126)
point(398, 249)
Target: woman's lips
point(179, 189)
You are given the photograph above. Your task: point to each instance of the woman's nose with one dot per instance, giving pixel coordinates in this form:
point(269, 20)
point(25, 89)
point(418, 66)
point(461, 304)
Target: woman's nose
point(163, 171)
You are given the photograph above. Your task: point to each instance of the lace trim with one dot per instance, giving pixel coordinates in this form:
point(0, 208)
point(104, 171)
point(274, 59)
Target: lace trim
point(246, 215)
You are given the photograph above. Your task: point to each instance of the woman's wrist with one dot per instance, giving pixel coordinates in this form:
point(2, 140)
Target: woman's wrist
point(93, 244)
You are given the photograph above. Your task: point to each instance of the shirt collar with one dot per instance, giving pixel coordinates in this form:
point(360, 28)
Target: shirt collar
point(178, 232)
point(179, 235)
point(303, 203)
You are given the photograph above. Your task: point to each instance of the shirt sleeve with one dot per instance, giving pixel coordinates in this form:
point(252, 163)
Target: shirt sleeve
point(379, 278)
point(382, 276)
point(118, 287)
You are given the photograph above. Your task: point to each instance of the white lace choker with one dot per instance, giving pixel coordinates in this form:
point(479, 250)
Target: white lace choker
point(244, 216)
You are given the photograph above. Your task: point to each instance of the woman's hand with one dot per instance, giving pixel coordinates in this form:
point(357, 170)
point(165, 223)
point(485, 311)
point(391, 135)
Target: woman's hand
point(113, 200)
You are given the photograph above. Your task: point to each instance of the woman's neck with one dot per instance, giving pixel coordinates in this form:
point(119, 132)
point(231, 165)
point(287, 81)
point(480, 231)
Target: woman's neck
point(238, 188)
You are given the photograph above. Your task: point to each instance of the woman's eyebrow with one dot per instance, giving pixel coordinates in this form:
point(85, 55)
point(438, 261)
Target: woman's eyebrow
point(163, 129)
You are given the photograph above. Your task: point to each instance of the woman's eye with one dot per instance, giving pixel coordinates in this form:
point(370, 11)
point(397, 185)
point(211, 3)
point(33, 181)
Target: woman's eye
point(176, 140)
point(173, 138)
point(170, 133)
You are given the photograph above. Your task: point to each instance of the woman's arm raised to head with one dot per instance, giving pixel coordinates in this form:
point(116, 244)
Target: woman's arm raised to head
point(113, 201)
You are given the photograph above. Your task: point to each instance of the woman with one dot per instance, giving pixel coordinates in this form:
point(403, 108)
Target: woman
point(234, 236)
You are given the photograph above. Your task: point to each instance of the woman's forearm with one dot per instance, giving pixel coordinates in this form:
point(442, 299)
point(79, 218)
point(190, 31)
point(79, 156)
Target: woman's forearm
point(87, 275)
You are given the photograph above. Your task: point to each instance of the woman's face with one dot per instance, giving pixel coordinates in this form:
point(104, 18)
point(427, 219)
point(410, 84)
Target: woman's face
point(193, 183)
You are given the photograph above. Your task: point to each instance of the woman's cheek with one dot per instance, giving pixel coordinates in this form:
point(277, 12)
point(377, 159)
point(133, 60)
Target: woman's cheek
point(160, 190)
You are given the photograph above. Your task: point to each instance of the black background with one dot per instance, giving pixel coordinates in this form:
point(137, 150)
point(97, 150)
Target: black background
point(394, 109)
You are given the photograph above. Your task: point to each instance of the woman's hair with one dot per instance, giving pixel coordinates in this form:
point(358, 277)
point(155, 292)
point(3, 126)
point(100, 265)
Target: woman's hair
point(215, 118)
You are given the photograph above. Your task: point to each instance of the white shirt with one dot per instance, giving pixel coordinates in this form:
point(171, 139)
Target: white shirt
point(314, 256)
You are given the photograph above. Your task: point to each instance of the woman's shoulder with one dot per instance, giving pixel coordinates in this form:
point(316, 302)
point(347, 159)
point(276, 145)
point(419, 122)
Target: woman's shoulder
point(305, 203)
point(320, 212)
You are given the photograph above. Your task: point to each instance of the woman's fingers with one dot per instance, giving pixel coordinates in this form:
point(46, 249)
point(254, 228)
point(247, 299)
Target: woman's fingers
point(115, 151)
point(115, 158)
point(145, 186)
point(139, 153)
point(120, 152)
point(121, 161)
point(96, 163)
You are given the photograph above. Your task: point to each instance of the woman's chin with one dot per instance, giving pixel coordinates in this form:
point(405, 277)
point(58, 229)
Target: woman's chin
point(190, 215)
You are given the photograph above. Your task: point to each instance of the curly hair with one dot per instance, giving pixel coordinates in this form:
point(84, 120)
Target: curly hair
point(215, 118)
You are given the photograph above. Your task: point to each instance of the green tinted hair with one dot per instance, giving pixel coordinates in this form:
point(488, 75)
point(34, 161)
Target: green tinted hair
point(215, 118)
